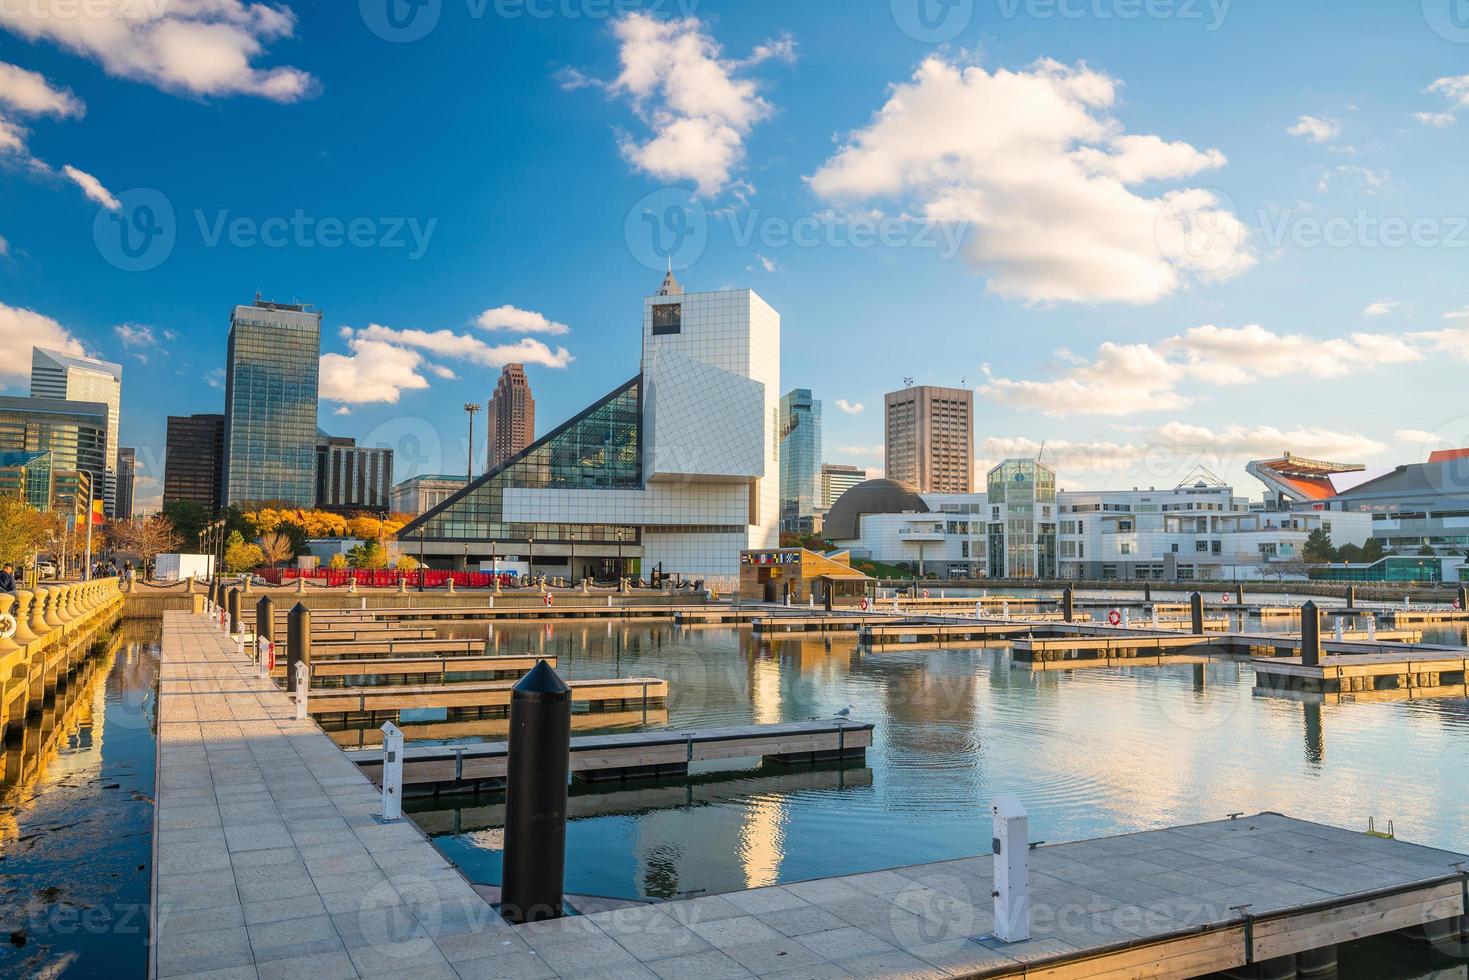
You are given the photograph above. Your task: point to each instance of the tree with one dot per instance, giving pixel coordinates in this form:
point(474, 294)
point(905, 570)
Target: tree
point(338, 562)
point(1427, 550)
point(147, 538)
point(1373, 550)
point(239, 556)
point(368, 555)
point(1349, 553)
point(276, 547)
point(188, 518)
point(1318, 547)
point(407, 563)
point(23, 532)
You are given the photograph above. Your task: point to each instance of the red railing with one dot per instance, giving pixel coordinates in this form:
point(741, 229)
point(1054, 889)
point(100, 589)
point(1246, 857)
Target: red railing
point(383, 578)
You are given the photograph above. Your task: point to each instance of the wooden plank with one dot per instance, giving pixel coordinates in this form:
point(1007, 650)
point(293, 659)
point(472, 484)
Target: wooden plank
point(472, 694)
point(1358, 920)
point(1209, 951)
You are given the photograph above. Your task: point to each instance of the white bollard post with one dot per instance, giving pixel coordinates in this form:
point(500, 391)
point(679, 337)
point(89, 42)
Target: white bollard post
point(264, 651)
point(392, 773)
point(239, 644)
point(978, 608)
point(609, 602)
point(1155, 617)
point(303, 685)
point(811, 602)
point(1005, 610)
point(1126, 619)
point(1338, 630)
point(1011, 847)
point(1371, 627)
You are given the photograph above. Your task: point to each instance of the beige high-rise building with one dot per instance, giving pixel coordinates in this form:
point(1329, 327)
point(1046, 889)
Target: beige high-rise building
point(512, 416)
point(930, 438)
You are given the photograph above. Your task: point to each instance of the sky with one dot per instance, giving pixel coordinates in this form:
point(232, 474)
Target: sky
point(1151, 234)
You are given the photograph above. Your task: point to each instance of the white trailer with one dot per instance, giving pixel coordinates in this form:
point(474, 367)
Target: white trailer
point(176, 568)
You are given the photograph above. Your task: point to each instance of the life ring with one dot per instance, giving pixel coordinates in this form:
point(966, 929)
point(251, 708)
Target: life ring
point(1456, 606)
point(862, 605)
point(925, 593)
point(1224, 597)
point(1115, 617)
point(550, 599)
point(8, 626)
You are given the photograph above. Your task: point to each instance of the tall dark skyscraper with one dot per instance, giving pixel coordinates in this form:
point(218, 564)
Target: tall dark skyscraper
point(512, 416)
point(270, 397)
point(194, 461)
point(127, 474)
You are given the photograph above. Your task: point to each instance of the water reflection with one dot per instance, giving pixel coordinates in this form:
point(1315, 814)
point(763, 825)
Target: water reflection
point(1094, 751)
point(76, 816)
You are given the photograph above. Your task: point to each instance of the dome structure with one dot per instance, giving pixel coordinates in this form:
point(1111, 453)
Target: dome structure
point(844, 521)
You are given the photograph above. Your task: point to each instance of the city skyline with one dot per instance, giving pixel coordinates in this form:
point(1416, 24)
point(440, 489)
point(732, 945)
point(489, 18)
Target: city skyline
point(1140, 359)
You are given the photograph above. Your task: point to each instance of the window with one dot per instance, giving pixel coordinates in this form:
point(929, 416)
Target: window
point(667, 318)
point(1126, 549)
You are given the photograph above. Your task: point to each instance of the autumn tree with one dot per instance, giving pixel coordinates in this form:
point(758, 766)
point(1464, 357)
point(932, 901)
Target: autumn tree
point(338, 562)
point(368, 555)
point(240, 556)
point(276, 547)
point(23, 532)
point(407, 563)
point(146, 537)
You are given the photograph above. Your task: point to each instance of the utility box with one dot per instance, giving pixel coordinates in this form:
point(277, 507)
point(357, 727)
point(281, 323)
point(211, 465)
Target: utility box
point(1011, 847)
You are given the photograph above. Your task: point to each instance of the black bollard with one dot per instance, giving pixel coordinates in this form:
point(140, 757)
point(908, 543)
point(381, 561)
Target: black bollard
point(1310, 635)
point(1463, 599)
point(1239, 595)
point(535, 797)
point(234, 607)
point(298, 643)
point(214, 596)
point(1351, 597)
point(1147, 592)
point(265, 618)
point(1196, 613)
point(1068, 604)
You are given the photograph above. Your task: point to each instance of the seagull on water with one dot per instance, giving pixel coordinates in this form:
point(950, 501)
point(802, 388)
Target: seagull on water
point(844, 713)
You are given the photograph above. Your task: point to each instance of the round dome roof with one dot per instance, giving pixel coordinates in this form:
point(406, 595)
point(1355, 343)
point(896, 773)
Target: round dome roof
point(843, 521)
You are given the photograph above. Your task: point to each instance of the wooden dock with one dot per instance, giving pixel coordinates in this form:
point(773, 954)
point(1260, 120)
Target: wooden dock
point(441, 667)
point(370, 736)
point(1123, 643)
point(1438, 670)
point(620, 691)
point(636, 756)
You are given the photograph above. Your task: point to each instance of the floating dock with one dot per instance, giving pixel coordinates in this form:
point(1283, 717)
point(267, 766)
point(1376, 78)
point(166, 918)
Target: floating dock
point(1435, 672)
point(441, 667)
point(621, 692)
point(636, 756)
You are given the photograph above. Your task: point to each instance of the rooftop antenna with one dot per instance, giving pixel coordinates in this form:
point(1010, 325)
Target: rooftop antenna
point(1041, 451)
point(907, 382)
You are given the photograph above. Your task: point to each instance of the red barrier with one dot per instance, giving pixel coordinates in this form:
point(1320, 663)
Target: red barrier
point(382, 578)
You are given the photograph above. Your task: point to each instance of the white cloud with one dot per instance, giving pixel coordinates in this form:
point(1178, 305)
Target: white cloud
point(1125, 379)
point(1455, 89)
point(92, 187)
point(766, 263)
point(24, 329)
point(1438, 120)
point(519, 321)
point(214, 378)
point(861, 451)
point(4, 246)
point(850, 408)
point(693, 100)
point(201, 47)
point(1417, 437)
point(1457, 314)
point(440, 371)
point(29, 93)
point(135, 335)
point(342, 410)
point(375, 371)
point(1315, 129)
point(170, 335)
point(1382, 308)
point(1041, 172)
point(1453, 341)
point(446, 343)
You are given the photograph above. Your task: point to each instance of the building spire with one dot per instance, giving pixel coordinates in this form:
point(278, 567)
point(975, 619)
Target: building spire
point(670, 285)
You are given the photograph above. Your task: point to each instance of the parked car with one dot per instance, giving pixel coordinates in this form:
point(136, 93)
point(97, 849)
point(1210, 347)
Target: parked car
point(46, 569)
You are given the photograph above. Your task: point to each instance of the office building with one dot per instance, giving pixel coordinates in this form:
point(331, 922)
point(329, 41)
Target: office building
point(511, 421)
point(675, 471)
point(74, 433)
point(929, 441)
point(800, 460)
point(926, 534)
point(837, 479)
point(127, 471)
point(27, 476)
point(420, 494)
point(351, 479)
point(1021, 497)
point(193, 464)
point(270, 396)
point(72, 377)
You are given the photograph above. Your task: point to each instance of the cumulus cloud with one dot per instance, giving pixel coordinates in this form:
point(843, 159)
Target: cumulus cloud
point(200, 47)
point(447, 343)
point(850, 408)
point(698, 105)
point(1457, 314)
point(1044, 176)
point(1454, 89)
point(1315, 129)
point(1382, 308)
point(1125, 379)
point(92, 187)
point(1438, 120)
point(29, 93)
point(374, 372)
point(4, 247)
point(24, 329)
point(1453, 341)
point(135, 335)
point(214, 378)
point(519, 321)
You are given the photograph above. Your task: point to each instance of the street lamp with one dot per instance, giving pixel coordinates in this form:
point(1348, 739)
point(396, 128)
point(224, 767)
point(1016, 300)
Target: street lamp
point(530, 565)
point(571, 536)
point(621, 571)
point(472, 408)
point(494, 562)
point(420, 558)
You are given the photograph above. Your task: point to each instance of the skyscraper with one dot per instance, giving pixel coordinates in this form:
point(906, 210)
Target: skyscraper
point(800, 459)
point(194, 462)
point(512, 417)
point(74, 433)
point(930, 438)
point(127, 471)
point(352, 478)
point(270, 395)
point(837, 479)
point(72, 377)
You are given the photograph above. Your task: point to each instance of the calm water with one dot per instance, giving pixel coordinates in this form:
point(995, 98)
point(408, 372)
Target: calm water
point(76, 822)
point(1092, 752)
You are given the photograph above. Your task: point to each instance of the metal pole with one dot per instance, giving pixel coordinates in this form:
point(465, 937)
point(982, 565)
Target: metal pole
point(1068, 604)
point(1196, 613)
point(234, 609)
point(298, 643)
point(535, 797)
point(1310, 635)
point(87, 569)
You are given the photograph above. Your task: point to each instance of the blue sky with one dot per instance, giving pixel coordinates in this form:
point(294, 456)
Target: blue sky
point(1152, 235)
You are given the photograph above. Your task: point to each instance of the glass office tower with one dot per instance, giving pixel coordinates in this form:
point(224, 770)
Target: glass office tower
point(270, 405)
point(72, 377)
point(800, 459)
point(1021, 496)
point(74, 433)
point(194, 461)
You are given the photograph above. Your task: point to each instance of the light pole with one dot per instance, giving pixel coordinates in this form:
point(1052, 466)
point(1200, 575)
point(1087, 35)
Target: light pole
point(621, 571)
point(472, 409)
point(571, 536)
point(87, 567)
point(420, 559)
point(494, 563)
point(530, 565)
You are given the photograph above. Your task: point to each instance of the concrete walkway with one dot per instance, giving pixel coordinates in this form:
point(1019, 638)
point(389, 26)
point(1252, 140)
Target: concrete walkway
point(268, 863)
